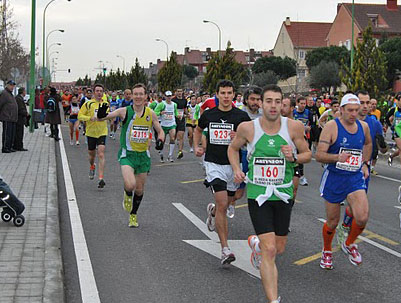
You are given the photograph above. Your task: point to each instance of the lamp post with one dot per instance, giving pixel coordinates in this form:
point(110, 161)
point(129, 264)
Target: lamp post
point(43, 36)
point(47, 43)
point(352, 39)
point(32, 66)
point(119, 56)
point(161, 40)
point(208, 21)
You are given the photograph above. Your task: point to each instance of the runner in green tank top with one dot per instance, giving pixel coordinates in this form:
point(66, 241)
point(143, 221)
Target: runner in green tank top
point(272, 142)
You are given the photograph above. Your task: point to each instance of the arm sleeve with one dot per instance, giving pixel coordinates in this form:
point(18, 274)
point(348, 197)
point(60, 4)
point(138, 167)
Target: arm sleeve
point(175, 110)
point(202, 123)
point(159, 108)
point(84, 114)
point(197, 112)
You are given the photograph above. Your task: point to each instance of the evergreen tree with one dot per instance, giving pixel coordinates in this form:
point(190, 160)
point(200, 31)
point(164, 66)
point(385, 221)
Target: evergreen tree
point(137, 75)
point(369, 69)
point(225, 67)
point(169, 76)
point(324, 76)
point(392, 50)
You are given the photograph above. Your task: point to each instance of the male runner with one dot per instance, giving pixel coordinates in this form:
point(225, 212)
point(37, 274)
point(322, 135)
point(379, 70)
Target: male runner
point(137, 121)
point(96, 133)
point(180, 119)
point(127, 101)
point(193, 110)
point(303, 114)
point(272, 141)
point(114, 104)
point(222, 122)
point(168, 112)
point(345, 145)
point(330, 114)
point(378, 143)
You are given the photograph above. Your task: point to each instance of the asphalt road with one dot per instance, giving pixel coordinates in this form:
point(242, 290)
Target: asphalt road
point(154, 263)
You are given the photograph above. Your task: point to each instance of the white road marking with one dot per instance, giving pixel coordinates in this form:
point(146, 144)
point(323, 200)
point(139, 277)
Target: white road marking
point(388, 178)
point(378, 245)
point(87, 282)
point(239, 247)
point(399, 207)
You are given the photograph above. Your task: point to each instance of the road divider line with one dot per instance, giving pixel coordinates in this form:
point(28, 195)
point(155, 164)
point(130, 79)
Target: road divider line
point(192, 181)
point(87, 282)
point(388, 178)
point(175, 164)
point(241, 205)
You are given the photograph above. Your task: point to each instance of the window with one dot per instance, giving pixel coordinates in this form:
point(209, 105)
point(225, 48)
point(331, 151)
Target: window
point(301, 54)
point(340, 43)
point(373, 19)
point(348, 44)
point(301, 73)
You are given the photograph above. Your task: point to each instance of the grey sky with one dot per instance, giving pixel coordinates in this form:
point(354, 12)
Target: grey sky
point(99, 29)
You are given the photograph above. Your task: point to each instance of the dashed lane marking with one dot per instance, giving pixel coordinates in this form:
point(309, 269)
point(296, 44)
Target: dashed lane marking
point(177, 163)
point(193, 181)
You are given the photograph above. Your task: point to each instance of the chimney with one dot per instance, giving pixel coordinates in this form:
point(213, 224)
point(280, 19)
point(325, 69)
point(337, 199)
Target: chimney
point(186, 50)
point(392, 5)
point(339, 7)
point(208, 50)
point(287, 21)
point(251, 55)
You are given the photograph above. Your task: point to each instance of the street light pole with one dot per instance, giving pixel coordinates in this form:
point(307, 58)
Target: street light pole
point(47, 43)
point(32, 67)
point(118, 56)
point(218, 27)
point(161, 40)
point(352, 39)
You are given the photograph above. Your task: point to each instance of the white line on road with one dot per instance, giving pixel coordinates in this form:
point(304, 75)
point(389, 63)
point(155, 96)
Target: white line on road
point(378, 245)
point(399, 207)
point(89, 291)
point(388, 178)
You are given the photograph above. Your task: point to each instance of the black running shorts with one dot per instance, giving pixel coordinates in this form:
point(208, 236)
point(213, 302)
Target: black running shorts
point(180, 125)
point(272, 216)
point(93, 142)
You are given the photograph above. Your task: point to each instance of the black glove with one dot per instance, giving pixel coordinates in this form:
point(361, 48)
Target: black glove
point(102, 111)
point(159, 144)
point(380, 141)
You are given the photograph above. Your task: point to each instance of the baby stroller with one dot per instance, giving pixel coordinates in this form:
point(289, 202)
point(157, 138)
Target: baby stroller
point(11, 205)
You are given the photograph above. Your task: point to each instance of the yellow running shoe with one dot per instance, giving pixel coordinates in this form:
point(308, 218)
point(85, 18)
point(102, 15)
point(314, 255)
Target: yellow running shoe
point(133, 222)
point(127, 202)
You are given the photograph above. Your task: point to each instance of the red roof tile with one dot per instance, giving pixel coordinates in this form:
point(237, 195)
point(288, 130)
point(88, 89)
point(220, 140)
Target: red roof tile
point(308, 34)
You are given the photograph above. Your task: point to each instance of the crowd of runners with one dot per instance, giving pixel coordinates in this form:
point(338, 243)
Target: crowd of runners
point(255, 142)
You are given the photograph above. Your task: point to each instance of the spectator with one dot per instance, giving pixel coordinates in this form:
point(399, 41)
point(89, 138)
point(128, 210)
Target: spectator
point(9, 116)
point(374, 110)
point(21, 121)
point(53, 112)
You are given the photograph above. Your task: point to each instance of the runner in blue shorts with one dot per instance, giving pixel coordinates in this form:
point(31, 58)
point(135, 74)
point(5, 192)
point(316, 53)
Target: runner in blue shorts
point(345, 146)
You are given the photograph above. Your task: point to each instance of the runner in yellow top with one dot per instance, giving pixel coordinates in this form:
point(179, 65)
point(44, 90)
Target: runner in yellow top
point(96, 132)
point(137, 121)
point(193, 110)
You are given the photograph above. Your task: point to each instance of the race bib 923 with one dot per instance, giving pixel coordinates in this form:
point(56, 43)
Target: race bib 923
point(219, 133)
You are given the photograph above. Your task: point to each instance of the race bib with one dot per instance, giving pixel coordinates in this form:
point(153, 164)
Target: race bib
point(191, 115)
point(168, 116)
point(180, 113)
point(219, 133)
point(139, 134)
point(74, 110)
point(397, 120)
point(353, 163)
point(268, 171)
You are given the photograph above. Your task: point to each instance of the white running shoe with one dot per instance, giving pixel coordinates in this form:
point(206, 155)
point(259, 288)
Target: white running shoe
point(303, 181)
point(210, 221)
point(399, 194)
point(256, 257)
point(230, 211)
point(227, 256)
point(71, 142)
point(77, 143)
point(170, 158)
point(161, 158)
point(353, 254)
point(326, 261)
point(191, 150)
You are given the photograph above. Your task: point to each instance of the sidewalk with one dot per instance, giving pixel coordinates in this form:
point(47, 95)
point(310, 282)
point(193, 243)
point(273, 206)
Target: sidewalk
point(30, 256)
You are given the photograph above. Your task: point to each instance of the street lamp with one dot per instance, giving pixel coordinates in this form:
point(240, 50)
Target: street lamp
point(55, 52)
point(32, 66)
point(208, 21)
point(44, 34)
point(47, 43)
point(161, 40)
point(118, 56)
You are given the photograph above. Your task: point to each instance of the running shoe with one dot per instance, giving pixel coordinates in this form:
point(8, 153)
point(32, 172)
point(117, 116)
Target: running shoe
point(210, 221)
point(114, 136)
point(303, 181)
point(390, 160)
point(230, 211)
point(227, 256)
point(399, 194)
point(326, 262)
point(111, 135)
point(170, 159)
point(127, 202)
point(191, 150)
point(71, 142)
point(180, 154)
point(77, 143)
point(342, 233)
point(353, 254)
point(161, 158)
point(101, 183)
point(133, 221)
point(374, 172)
point(92, 172)
point(256, 258)
point(342, 203)
point(278, 300)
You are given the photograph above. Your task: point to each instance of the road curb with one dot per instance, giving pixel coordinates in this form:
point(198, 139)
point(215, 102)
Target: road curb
point(53, 290)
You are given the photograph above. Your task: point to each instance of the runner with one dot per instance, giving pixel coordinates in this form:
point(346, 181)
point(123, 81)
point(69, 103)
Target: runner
point(222, 122)
point(330, 114)
point(168, 111)
point(376, 134)
point(251, 106)
point(65, 102)
point(272, 142)
point(315, 115)
point(73, 120)
point(137, 121)
point(193, 110)
point(180, 119)
point(345, 146)
point(304, 115)
point(96, 133)
point(127, 101)
point(238, 101)
point(114, 104)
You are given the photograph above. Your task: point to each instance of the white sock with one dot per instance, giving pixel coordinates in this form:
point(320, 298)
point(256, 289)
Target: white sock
point(171, 152)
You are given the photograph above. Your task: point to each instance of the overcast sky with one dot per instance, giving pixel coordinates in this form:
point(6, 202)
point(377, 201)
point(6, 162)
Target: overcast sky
point(100, 30)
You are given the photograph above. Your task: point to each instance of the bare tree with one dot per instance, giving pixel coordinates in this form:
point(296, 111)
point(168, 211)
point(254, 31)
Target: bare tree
point(14, 60)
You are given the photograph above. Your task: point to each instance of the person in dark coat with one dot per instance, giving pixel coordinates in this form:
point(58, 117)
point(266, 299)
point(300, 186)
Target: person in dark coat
point(53, 118)
point(22, 119)
point(9, 116)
